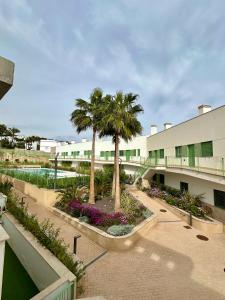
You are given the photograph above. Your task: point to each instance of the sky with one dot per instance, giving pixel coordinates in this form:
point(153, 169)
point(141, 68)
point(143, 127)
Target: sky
point(169, 52)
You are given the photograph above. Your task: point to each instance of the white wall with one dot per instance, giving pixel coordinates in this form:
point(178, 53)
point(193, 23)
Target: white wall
point(196, 186)
point(3, 237)
point(140, 142)
point(45, 145)
point(206, 127)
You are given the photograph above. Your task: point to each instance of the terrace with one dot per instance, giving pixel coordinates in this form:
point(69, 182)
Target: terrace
point(208, 165)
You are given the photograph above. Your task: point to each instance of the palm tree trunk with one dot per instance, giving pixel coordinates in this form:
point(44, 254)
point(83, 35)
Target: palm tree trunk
point(117, 177)
point(114, 176)
point(92, 175)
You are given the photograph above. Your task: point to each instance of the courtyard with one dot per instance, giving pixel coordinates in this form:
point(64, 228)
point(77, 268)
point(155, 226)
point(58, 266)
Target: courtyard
point(169, 263)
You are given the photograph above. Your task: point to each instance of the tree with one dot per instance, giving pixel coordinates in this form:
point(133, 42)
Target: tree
point(13, 133)
point(3, 129)
point(88, 115)
point(120, 121)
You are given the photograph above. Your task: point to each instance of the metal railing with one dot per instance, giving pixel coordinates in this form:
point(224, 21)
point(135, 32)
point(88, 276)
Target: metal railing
point(211, 165)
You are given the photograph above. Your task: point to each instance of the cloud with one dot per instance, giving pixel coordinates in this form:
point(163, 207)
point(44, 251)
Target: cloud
point(169, 52)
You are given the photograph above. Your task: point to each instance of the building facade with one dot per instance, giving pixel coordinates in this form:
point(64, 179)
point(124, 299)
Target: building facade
point(188, 156)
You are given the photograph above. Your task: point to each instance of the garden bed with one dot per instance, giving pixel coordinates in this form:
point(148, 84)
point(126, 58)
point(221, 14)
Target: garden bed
point(207, 224)
point(107, 241)
point(104, 222)
point(186, 207)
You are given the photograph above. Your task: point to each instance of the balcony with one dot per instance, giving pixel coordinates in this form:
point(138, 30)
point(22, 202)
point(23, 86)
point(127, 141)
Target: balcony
point(208, 165)
point(6, 76)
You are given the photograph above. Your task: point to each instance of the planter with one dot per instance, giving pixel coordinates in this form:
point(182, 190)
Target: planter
point(115, 243)
point(51, 277)
point(210, 226)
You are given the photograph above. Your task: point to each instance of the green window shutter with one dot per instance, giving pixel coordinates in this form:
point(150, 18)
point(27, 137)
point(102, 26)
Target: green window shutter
point(184, 150)
point(102, 154)
point(178, 151)
point(112, 153)
point(138, 152)
point(150, 154)
point(161, 153)
point(207, 149)
point(198, 150)
point(121, 153)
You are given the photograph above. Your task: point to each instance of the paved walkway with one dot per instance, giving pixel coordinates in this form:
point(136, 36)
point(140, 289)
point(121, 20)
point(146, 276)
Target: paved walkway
point(87, 250)
point(170, 263)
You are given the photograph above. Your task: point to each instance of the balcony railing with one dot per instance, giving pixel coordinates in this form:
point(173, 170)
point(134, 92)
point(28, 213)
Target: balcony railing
point(210, 165)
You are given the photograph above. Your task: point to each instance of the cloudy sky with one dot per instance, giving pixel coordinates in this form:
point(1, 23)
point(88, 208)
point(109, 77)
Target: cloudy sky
point(170, 52)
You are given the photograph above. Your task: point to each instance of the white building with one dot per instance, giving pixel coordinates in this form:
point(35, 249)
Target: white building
point(187, 156)
point(46, 145)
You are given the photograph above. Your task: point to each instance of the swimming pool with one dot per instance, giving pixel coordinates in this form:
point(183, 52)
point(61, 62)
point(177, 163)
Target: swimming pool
point(47, 172)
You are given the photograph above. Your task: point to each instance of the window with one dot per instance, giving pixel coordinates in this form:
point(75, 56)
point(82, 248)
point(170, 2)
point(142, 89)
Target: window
point(183, 186)
point(150, 154)
point(75, 153)
point(219, 199)
point(64, 153)
point(102, 154)
point(139, 152)
point(87, 152)
point(207, 149)
point(121, 153)
point(161, 153)
point(178, 150)
point(112, 153)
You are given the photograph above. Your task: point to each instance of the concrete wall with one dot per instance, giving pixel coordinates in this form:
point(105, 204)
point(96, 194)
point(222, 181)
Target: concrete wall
point(6, 75)
point(43, 196)
point(3, 237)
point(42, 266)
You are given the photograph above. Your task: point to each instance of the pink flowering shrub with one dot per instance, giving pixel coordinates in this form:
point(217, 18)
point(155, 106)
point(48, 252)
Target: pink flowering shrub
point(95, 216)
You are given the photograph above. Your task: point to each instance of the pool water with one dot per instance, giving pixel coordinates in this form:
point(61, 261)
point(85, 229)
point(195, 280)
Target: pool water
point(47, 172)
point(17, 284)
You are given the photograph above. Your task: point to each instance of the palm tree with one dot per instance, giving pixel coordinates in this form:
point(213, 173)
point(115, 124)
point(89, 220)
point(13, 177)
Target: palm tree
point(120, 122)
point(88, 115)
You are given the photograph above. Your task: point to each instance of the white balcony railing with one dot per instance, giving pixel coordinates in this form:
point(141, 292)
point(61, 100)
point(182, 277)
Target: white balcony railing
point(210, 165)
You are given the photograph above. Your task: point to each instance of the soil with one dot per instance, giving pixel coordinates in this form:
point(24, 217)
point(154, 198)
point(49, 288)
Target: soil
point(105, 204)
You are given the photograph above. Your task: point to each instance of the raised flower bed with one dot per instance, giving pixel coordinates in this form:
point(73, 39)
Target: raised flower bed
point(186, 206)
point(114, 230)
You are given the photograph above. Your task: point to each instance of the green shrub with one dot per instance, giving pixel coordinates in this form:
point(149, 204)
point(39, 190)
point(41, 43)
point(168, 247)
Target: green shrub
point(47, 181)
point(47, 235)
point(130, 207)
point(147, 213)
point(84, 219)
point(5, 187)
point(119, 230)
point(67, 164)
